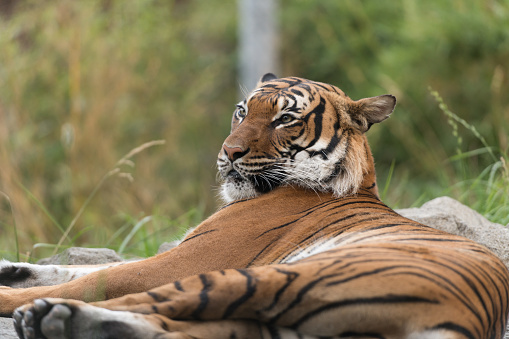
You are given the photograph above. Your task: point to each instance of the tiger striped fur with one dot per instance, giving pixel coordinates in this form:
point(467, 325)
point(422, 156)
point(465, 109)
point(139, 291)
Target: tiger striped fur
point(304, 248)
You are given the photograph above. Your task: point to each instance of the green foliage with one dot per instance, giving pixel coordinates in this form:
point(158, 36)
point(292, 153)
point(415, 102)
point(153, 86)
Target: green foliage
point(84, 82)
point(488, 191)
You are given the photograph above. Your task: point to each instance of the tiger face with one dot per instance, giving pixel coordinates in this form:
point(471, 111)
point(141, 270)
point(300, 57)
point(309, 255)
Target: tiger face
point(293, 131)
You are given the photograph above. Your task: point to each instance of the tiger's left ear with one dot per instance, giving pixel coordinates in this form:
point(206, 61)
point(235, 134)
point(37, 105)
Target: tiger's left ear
point(369, 111)
point(265, 78)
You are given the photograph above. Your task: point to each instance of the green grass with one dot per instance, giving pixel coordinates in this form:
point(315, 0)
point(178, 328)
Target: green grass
point(138, 236)
point(487, 191)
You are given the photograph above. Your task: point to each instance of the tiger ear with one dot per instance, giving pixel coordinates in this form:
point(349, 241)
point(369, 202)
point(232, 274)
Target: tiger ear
point(265, 78)
point(369, 111)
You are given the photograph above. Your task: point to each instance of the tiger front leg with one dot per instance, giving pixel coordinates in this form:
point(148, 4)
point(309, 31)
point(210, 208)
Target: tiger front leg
point(221, 304)
point(221, 301)
point(54, 318)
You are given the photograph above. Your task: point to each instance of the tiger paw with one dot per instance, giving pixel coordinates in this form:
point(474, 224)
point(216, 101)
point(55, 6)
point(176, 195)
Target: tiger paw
point(43, 319)
point(54, 318)
point(24, 275)
point(15, 274)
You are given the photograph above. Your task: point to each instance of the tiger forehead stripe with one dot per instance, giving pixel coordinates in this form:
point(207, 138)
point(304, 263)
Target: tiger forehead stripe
point(295, 98)
point(295, 102)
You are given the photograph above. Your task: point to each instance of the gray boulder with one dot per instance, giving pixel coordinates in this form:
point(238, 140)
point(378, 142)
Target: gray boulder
point(82, 256)
point(166, 246)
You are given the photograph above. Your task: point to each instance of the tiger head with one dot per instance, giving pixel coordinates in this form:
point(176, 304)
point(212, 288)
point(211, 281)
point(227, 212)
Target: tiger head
point(293, 131)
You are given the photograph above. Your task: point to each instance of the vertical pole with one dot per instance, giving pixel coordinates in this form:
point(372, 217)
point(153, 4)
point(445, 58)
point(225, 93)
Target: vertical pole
point(258, 40)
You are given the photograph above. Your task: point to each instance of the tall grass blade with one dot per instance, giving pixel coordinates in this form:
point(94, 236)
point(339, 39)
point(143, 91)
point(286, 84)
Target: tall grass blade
point(14, 226)
point(445, 109)
point(131, 234)
point(42, 207)
point(82, 208)
point(124, 160)
point(388, 180)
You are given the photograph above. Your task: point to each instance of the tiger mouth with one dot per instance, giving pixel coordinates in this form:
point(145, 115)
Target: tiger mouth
point(263, 184)
point(235, 176)
point(260, 183)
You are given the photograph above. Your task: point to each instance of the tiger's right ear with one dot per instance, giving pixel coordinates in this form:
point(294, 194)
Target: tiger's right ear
point(265, 78)
point(369, 111)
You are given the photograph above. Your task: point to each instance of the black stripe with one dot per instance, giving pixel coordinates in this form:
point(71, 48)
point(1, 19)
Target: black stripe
point(317, 113)
point(235, 202)
point(204, 297)
point(455, 328)
point(319, 206)
point(288, 95)
point(363, 274)
point(338, 166)
point(433, 238)
point(178, 286)
point(298, 298)
point(273, 331)
point(362, 335)
point(370, 187)
point(250, 291)
point(278, 227)
point(290, 81)
point(290, 277)
point(322, 85)
point(389, 299)
point(197, 235)
point(335, 140)
point(296, 91)
point(260, 253)
point(157, 298)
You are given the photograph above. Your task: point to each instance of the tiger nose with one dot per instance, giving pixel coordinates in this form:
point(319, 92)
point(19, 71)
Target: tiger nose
point(233, 153)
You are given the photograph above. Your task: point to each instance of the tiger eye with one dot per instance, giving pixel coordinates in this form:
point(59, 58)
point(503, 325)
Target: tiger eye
point(286, 118)
point(241, 112)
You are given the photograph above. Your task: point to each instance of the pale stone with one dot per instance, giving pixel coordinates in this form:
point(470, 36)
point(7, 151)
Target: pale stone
point(82, 256)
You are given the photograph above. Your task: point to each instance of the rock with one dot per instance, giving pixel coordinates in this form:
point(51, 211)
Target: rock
point(7, 329)
point(82, 256)
point(166, 246)
point(449, 215)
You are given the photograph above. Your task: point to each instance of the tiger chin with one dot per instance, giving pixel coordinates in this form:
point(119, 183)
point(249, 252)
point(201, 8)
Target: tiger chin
point(290, 144)
point(305, 248)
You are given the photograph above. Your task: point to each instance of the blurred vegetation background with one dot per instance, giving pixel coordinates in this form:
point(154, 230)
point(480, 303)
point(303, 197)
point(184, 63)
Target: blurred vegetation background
point(82, 83)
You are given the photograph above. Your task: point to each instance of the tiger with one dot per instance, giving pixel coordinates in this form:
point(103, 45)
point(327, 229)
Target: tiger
point(302, 247)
